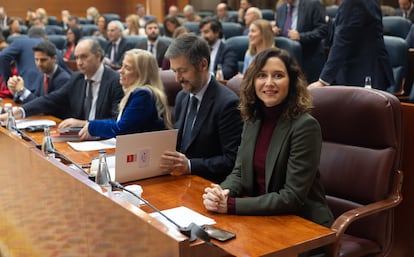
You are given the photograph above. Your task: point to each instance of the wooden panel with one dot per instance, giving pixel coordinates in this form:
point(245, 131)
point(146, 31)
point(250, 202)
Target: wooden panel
point(404, 227)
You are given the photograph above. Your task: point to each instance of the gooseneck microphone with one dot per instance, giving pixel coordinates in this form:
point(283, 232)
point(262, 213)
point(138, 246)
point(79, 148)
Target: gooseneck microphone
point(193, 231)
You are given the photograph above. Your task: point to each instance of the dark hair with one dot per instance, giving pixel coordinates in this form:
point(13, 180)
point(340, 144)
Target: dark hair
point(151, 21)
point(193, 47)
point(298, 100)
point(77, 32)
point(76, 18)
point(36, 32)
point(172, 19)
point(215, 25)
point(46, 47)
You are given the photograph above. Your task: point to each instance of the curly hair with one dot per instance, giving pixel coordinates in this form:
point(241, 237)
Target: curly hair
point(298, 100)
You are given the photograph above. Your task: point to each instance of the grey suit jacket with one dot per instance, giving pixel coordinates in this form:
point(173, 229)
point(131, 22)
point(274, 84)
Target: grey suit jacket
point(161, 48)
point(67, 102)
point(292, 175)
point(216, 132)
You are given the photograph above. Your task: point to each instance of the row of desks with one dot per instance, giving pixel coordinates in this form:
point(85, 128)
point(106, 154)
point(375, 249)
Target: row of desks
point(282, 235)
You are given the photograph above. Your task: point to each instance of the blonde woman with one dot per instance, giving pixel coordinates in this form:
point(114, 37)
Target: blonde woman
point(133, 27)
point(42, 15)
point(260, 38)
point(144, 106)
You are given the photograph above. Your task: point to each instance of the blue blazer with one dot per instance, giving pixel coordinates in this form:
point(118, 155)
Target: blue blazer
point(358, 48)
point(228, 59)
point(292, 175)
point(58, 80)
point(216, 133)
point(67, 102)
point(139, 115)
point(21, 51)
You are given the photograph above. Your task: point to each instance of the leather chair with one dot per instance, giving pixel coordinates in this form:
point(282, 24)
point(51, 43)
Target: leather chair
point(102, 41)
point(293, 47)
point(54, 29)
point(171, 88)
point(397, 49)
point(111, 17)
point(52, 20)
point(58, 40)
point(361, 153)
point(234, 84)
point(192, 26)
point(331, 11)
point(268, 14)
point(239, 45)
point(134, 39)
point(88, 29)
point(396, 26)
point(231, 29)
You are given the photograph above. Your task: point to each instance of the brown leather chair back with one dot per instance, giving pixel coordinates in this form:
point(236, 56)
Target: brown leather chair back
point(361, 152)
point(171, 88)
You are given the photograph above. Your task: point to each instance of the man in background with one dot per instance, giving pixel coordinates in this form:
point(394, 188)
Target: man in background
point(51, 77)
point(117, 45)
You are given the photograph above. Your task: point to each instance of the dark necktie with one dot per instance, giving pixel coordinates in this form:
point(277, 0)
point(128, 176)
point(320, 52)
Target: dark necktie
point(288, 21)
point(87, 102)
point(113, 52)
point(151, 48)
point(45, 84)
point(189, 122)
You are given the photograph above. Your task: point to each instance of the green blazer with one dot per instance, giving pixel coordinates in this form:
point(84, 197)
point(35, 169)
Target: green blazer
point(292, 174)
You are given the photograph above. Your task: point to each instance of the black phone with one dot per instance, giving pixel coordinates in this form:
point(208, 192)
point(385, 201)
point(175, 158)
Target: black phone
point(218, 233)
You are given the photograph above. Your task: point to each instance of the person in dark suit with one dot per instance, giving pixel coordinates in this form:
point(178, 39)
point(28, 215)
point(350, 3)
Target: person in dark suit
point(410, 37)
point(407, 9)
point(358, 48)
point(52, 76)
point(308, 27)
point(276, 170)
point(221, 13)
point(117, 45)
point(154, 45)
point(212, 31)
point(206, 115)
point(143, 108)
point(94, 84)
point(20, 50)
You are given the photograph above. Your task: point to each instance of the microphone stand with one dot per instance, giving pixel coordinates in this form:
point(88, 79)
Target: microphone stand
point(193, 231)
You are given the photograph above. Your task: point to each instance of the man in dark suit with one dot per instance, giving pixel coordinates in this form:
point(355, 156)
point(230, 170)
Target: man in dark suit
point(212, 31)
point(206, 115)
point(94, 84)
point(307, 25)
point(407, 9)
point(117, 45)
point(358, 48)
point(52, 76)
point(20, 50)
point(154, 45)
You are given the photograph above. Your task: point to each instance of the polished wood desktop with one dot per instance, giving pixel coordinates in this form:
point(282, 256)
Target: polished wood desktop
point(56, 197)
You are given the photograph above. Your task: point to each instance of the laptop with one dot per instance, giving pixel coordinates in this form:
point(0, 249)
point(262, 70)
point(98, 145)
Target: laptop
point(137, 156)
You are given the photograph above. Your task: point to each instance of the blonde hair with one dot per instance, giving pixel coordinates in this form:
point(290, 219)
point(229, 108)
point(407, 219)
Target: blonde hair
point(146, 67)
point(267, 35)
point(134, 30)
point(42, 15)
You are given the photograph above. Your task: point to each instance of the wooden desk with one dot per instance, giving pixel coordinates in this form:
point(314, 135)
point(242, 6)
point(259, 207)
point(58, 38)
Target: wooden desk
point(50, 209)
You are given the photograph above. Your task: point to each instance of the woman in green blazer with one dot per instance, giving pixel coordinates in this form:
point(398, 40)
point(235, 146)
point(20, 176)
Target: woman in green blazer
point(276, 171)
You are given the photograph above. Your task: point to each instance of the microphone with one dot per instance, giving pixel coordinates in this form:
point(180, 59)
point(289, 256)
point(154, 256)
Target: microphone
point(67, 159)
point(27, 138)
point(193, 231)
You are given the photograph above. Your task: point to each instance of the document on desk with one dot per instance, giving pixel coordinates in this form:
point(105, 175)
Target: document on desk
point(183, 216)
point(22, 124)
point(93, 145)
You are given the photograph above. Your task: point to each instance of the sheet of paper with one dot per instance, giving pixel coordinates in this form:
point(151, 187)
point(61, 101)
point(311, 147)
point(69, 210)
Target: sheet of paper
point(93, 145)
point(183, 216)
point(22, 124)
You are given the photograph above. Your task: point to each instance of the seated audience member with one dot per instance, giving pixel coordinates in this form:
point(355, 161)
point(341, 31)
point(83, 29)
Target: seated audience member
point(4, 19)
point(177, 32)
point(42, 15)
point(206, 115)
point(30, 15)
point(14, 28)
point(170, 24)
point(252, 14)
point(74, 21)
point(117, 45)
point(153, 44)
point(190, 14)
point(308, 27)
point(92, 93)
point(212, 31)
point(64, 23)
point(260, 38)
point(73, 35)
point(222, 14)
point(102, 25)
point(244, 6)
point(144, 106)
point(92, 14)
point(407, 9)
point(132, 26)
point(410, 37)
point(142, 17)
point(20, 51)
point(276, 170)
point(51, 76)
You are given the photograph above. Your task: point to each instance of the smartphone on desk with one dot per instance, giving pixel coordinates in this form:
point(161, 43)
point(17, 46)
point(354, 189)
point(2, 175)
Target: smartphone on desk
point(218, 233)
